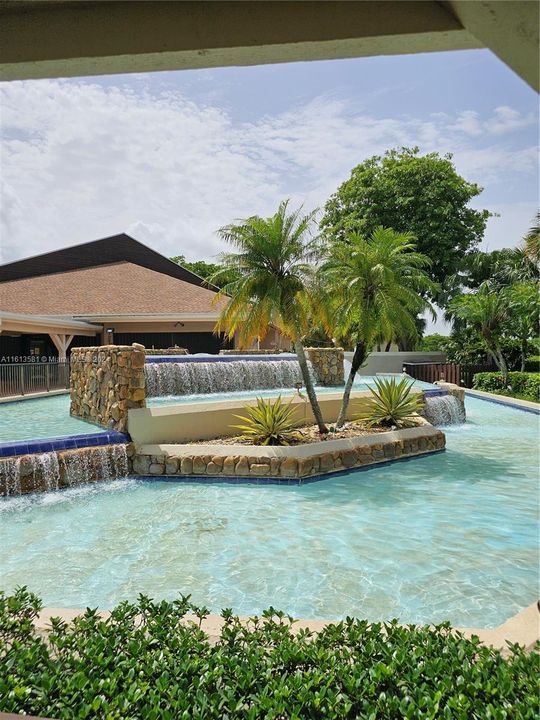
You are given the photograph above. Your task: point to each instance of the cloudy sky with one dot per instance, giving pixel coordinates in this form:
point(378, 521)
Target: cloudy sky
point(170, 157)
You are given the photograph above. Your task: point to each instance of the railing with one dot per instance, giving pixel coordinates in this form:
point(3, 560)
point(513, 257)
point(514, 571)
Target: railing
point(450, 372)
point(28, 378)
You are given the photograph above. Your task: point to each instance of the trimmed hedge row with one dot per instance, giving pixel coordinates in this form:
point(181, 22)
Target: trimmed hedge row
point(532, 364)
point(526, 385)
point(143, 662)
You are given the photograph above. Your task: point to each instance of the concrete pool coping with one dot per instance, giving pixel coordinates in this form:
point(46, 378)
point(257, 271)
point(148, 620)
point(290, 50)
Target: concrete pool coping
point(522, 628)
point(33, 396)
point(516, 403)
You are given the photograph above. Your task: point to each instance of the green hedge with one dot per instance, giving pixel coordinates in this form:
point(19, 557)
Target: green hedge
point(520, 384)
point(532, 364)
point(143, 663)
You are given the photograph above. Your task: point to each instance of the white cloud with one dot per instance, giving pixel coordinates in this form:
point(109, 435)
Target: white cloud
point(82, 161)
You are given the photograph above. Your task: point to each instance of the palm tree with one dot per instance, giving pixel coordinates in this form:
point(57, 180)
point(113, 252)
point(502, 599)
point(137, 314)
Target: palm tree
point(532, 240)
point(374, 292)
point(486, 313)
point(273, 271)
point(523, 309)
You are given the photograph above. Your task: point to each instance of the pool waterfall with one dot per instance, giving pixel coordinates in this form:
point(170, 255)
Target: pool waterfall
point(186, 377)
point(443, 409)
point(53, 470)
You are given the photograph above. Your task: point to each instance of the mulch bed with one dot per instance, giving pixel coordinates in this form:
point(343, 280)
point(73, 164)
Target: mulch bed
point(310, 434)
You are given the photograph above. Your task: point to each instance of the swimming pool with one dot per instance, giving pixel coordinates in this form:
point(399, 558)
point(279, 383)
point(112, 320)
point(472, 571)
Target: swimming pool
point(45, 417)
point(447, 536)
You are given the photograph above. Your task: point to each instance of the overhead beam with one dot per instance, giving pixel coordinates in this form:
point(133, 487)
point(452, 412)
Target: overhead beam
point(509, 29)
point(62, 39)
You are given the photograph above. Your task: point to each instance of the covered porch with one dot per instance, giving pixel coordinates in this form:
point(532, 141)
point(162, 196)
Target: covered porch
point(42, 338)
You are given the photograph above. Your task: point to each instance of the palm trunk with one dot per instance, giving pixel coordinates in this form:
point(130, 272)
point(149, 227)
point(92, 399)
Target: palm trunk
point(357, 361)
point(504, 368)
point(500, 362)
point(302, 361)
point(494, 349)
point(523, 354)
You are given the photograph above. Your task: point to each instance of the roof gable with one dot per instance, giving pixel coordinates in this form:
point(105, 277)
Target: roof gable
point(114, 249)
point(117, 288)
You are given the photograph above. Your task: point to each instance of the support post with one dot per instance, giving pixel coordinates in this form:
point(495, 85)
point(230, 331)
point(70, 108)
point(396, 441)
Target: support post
point(62, 343)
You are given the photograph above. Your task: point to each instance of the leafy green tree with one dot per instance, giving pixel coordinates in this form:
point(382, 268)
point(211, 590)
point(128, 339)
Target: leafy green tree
point(204, 270)
point(273, 273)
point(433, 343)
point(373, 290)
point(410, 193)
point(486, 313)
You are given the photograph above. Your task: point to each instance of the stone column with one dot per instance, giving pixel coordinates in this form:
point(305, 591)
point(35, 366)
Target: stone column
point(106, 382)
point(327, 365)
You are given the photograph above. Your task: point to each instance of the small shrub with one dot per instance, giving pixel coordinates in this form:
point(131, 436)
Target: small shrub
point(520, 384)
point(146, 661)
point(269, 423)
point(392, 404)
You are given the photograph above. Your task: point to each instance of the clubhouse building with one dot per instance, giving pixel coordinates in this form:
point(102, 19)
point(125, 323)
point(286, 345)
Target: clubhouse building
point(113, 290)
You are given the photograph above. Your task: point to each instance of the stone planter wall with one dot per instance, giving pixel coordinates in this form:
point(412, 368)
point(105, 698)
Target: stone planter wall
point(327, 365)
point(253, 352)
point(66, 468)
point(106, 382)
point(167, 351)
point(301, 461)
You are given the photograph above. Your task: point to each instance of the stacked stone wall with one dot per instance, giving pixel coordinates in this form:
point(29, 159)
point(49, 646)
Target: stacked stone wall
point(327, 365)
point(106, 382)
point(259, 465)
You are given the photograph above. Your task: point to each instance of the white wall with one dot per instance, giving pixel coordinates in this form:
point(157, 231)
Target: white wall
point(392, 362)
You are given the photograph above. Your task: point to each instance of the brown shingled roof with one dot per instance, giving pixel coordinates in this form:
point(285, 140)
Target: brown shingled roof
point(122, 288)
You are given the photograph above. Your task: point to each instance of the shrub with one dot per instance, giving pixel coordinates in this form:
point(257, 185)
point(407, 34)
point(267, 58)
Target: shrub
point(146, 661)
point(532, 363)
point(523, 384)
point(392, 404)
point(269, 423)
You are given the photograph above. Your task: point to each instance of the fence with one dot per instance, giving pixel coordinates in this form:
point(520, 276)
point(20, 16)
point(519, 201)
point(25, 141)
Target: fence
point(28, 378)
point(450, 372)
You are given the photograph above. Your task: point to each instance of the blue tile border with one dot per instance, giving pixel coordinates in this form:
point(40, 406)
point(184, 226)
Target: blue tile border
point(245, 480)
point(506, 401)
point(69, 442)
point(428, 392)
point(151, 359)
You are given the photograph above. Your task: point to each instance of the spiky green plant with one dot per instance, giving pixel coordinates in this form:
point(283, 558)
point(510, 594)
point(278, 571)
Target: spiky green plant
point(269, 423)
point(392, 404)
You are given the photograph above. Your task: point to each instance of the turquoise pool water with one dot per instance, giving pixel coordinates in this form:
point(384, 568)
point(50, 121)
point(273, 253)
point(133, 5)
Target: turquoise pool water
point(448, 536)
point(361, 383)
point(40, 418)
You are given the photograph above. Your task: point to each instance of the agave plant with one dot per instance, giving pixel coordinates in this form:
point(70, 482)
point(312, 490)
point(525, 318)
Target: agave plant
point(269, 423)
point(392, 404)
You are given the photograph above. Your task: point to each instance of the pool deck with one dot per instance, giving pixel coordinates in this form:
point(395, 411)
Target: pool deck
point(522, 628)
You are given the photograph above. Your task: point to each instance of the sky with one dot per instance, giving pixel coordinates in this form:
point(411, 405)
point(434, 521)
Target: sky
point(170, 157)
